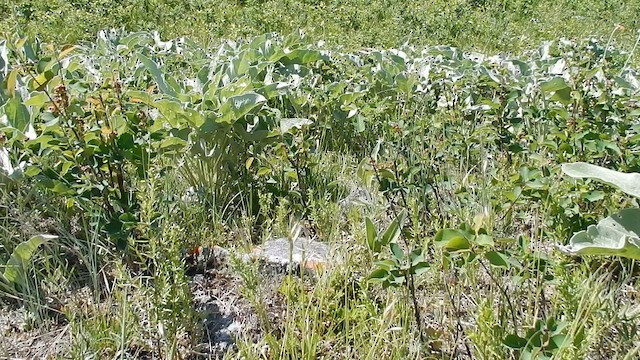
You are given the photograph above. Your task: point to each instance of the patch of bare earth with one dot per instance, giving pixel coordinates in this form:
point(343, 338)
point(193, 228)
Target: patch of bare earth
point(18, 341)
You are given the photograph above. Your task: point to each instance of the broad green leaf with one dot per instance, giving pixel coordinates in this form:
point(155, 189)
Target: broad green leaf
point(172, 143)
point(416, 256)
point(28, 46)
point(387, 264)
point(479, 222)
point(22, 255)
point(143, 97)
point(445, 235)
point(616, 235)
point(66, 51)
point(17, 114)
point(418, 265)
point(452, 240)
point(301, 56)
point(627, 182)
point(287, 124)
point(378, 275)
point(272, 90)
point(387, 174)
point(263, 171)
point(391, 234)
point(42, 79)
point(396, 250)
point(514, 194)
point(457, 244)
point(497, 259)
point(371, 236)
point(533, 354)
point(37, 100)
point(249, 162)
point(393, 231)
point(172, 111)
point(555, 84)
point(515, 341)
point(238, 106)
point(157, 75)
point(420, 268)
point(563, 95)
point(32, 171)
point(484, 240)
point(595, 196)
point(559, 341)
point(66, 165)
point(213, 87)
point(11, 82)
point(396, 278)
point(292, 174)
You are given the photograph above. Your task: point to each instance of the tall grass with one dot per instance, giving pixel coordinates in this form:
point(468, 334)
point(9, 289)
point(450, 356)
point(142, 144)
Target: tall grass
point(490, 26)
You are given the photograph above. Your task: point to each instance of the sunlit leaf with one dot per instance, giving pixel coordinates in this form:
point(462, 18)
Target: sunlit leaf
point(17, 115)
point(249, 162)
point(595, 196)
point(627, 182)
point(616, 235)
point(172, 143)
point(264, 171)
point(157, 75)
point(497, 259)
point(287, 124)
point(416, 256)
point(484, 240)
point(452, 240)
point(420, 268)
point(387, 174)
point(11, 82)
point(37, 100)
point(378, 275)
point(555, 84)
point(41, 80)
point(393, 231)
point(396, 250)
point(21, 256)
point(66, 51)
point(238, 106)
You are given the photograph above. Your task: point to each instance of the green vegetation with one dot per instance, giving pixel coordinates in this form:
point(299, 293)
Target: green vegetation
point(436, 173)
point(488, 26)
point(618, 234)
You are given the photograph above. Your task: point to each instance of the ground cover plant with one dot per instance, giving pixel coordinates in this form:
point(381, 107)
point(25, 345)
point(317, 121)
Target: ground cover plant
point(137, 170)
point(480, 25)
